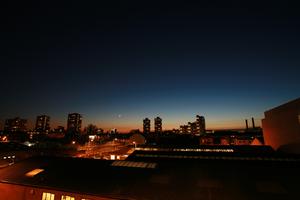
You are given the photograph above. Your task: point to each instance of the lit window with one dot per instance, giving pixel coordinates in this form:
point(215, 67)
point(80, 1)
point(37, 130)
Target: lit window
point(67, 198)
point(47, 196)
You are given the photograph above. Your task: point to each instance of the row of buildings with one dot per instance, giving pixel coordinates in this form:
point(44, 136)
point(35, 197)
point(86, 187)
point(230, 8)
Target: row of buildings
point(42, 124)
point(74, 124)
point(193, 128)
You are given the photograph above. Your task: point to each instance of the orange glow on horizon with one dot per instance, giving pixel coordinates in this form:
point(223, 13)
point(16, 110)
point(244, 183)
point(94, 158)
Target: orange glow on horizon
point(127, 126)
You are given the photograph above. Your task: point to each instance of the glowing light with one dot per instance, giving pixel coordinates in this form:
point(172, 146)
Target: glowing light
point(187, 150)
point(67, 198)
point(48, 196)
point(34, 172)
point(4, 139)
point(112, 157)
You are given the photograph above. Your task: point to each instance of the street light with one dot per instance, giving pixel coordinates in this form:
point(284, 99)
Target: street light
point(134, 144)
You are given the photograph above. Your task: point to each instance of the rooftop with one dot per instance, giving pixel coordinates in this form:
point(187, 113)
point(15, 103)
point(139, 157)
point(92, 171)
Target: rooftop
point(161, 179)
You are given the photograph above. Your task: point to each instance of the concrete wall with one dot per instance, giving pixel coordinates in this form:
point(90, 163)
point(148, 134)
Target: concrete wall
point(281, 125)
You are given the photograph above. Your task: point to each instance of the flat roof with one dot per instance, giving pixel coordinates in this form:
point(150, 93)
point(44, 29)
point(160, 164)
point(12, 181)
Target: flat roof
point(287, 105)
point(164, 179)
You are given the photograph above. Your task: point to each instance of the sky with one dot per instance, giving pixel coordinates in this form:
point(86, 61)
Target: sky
point(119, 62)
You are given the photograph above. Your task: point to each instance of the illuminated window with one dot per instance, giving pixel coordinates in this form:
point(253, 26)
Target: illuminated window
point(47, 196)
point(67, 198)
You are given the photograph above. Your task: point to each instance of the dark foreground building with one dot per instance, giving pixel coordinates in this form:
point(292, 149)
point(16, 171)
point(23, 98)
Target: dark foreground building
point(209, 177)
point(281, 127)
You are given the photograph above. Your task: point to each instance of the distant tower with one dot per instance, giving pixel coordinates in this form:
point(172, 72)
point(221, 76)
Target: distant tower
point(200, 125)
point(74, 122)
point(146, 125)
point(158, 125)
point(253, 123)
point(247, 126)
point(42, 124)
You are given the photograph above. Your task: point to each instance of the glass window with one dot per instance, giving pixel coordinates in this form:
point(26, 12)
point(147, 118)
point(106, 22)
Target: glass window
point(67, 198)
point(47, 196)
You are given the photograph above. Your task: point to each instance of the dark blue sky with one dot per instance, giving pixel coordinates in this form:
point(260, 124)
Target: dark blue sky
point(117, 63)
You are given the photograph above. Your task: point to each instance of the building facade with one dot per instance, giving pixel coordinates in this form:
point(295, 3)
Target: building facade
point(15, 125)
point(42, 124)
point(74, 122)
point(24, 192)
point(281, 126)
point(200, 125)
point(192, 128)
point(146, 125)
point(183, 129)
point(158, 125)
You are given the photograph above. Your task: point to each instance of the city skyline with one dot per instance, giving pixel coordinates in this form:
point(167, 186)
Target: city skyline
point(31, 124)
point(130, 99)
point(117, 63)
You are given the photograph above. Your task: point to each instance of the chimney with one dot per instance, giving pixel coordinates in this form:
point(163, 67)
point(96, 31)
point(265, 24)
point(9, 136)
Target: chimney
point(253, 123)
point(246, 124)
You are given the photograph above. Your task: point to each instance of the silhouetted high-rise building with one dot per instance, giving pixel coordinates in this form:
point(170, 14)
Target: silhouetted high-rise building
point(42, 124)
point(146, 125)
point(15, 125)
point(200, 125)
point(74, 122)
point(158, 125)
